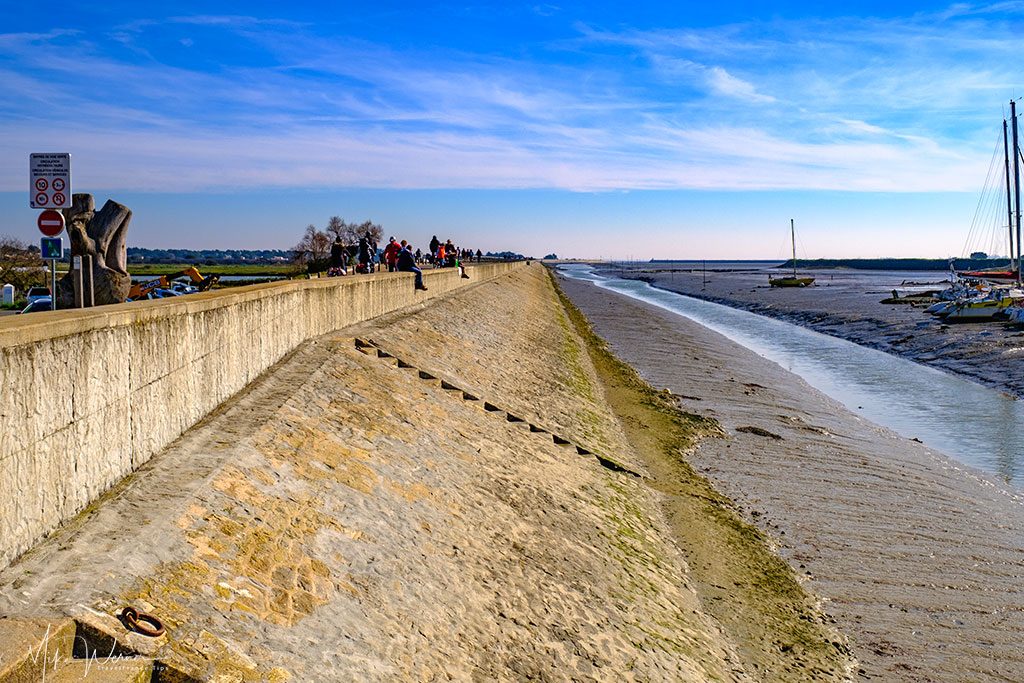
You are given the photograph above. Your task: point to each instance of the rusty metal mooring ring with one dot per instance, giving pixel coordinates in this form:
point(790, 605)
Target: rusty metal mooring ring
point(143, 623)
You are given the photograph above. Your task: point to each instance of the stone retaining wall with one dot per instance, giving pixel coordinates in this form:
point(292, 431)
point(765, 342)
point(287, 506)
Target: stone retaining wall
point(88, 396)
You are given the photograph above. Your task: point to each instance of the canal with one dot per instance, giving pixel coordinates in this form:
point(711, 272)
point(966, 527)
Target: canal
point(974, 424)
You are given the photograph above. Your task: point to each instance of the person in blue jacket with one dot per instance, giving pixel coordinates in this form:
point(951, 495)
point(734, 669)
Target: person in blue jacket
point(407, 264)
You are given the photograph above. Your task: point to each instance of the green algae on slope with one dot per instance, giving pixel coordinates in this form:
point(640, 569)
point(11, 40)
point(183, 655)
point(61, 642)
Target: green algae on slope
point(777, 626)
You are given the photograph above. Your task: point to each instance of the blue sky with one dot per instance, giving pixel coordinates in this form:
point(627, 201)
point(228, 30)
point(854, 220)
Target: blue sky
point(583, 128)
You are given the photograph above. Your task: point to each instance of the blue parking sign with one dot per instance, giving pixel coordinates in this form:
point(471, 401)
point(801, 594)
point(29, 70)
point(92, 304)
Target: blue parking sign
point(52, 248)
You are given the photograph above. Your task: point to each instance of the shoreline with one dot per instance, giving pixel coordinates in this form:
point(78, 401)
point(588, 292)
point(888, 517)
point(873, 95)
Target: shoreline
point(916, 557)
point(986, 353)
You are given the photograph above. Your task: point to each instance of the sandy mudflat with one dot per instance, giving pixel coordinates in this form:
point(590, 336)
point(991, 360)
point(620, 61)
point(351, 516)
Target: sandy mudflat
point(919, 559)
point(846, 304)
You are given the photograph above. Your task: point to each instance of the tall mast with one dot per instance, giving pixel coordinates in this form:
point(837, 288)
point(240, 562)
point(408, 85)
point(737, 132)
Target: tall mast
point(1016, 181)
point(792, 235)
point(1009, 193)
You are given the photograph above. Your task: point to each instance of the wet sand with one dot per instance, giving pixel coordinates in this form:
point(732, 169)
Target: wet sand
point(918, 558)
point(846, 304)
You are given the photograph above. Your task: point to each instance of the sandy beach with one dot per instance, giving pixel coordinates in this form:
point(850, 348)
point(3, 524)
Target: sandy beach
point(846, 304)
point(917, 558)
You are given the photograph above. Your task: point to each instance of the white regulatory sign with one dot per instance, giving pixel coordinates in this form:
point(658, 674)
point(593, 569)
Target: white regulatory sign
point(49, 180)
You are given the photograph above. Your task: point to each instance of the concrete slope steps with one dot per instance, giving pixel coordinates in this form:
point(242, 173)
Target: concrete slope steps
point(370, 348)
point(54, 650)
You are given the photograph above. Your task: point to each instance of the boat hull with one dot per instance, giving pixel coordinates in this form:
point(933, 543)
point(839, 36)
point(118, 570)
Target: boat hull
point(791, 281)
point(978, 311)
point(990, 274)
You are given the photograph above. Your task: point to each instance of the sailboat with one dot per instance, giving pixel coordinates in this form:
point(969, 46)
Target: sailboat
point(1002, 301)
point(1012, 272)
point(794, 281)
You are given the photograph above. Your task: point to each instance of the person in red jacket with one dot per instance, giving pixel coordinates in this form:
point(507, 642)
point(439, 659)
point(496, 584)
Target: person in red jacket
point(391, 255)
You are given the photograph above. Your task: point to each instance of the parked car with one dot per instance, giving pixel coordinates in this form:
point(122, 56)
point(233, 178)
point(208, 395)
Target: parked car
point(36, 293)
point(44, 303)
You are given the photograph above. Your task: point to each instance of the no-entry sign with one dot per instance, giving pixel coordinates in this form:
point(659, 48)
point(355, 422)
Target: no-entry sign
point(49, 180)
point(50, 222)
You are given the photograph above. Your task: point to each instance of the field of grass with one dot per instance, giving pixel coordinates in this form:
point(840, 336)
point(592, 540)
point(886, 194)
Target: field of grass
point(255, 270)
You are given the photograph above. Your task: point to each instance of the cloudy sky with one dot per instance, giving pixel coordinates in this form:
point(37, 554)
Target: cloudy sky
point(583, 128)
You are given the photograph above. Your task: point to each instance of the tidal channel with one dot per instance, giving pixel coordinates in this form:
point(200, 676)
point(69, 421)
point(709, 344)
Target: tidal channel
point(978, 426)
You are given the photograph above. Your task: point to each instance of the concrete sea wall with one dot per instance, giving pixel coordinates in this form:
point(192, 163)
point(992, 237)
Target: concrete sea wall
point(88, 396)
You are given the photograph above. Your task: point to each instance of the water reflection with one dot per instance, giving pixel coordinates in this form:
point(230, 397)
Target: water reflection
point(979, 426)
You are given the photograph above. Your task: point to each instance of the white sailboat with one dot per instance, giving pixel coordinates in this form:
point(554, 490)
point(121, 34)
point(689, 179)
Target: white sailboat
point(795, 280)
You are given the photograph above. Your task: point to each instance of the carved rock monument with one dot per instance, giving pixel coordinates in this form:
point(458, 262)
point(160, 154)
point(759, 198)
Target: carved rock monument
point(102, 238)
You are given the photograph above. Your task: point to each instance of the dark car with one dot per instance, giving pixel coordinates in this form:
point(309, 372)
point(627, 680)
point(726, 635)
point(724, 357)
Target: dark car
point(37, 293)
point(44, 303)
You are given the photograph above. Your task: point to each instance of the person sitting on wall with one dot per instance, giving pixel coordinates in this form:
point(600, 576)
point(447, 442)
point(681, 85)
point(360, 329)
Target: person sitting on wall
point(407, 264)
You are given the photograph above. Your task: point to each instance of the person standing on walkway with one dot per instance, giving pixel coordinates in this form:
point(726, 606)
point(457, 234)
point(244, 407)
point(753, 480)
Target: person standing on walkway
point(338, 254)
point(391, 254)
point(364, 253)
point(434, 244)
point(407, 264)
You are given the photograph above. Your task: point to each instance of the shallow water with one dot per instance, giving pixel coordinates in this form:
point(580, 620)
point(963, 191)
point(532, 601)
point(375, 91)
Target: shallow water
point(978, 426)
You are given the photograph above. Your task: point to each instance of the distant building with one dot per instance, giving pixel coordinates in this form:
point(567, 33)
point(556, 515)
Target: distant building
point(980, 255)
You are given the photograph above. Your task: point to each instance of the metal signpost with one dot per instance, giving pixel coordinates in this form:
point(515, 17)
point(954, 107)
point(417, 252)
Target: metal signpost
point(50, 188)
point(76, 267)
point(52, 250)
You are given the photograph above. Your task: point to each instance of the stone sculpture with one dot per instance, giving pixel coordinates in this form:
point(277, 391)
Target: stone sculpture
point(102, 237)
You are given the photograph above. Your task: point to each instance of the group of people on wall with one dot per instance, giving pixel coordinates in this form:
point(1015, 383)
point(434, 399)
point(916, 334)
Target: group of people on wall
point(398, 256)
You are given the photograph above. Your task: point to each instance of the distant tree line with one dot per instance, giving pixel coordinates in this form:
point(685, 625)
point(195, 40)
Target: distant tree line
point(208, 257)
point(313, 251)
point(900, 263)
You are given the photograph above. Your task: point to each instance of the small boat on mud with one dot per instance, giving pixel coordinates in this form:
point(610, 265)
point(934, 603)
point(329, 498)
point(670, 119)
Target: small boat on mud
point(795, 280)
point(976, 301)
point(991, 307)
point(1015, 314)
point(999, 275)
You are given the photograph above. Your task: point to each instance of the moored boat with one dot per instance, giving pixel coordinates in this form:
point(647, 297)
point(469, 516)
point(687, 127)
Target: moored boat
point(978, 310)
point(795, 280)
point(1001, 275)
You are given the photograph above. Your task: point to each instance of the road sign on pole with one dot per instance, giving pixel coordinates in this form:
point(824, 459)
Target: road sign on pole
point(52, 248)
point(51, 222)
point(49, 180)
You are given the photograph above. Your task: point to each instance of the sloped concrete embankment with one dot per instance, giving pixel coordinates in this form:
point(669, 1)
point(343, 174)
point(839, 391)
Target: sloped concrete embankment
point(89, 396)
point(426, 504)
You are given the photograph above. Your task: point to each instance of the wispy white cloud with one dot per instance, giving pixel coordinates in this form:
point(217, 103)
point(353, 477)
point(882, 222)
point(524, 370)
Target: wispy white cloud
point(867, 104)
point(725, 83)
